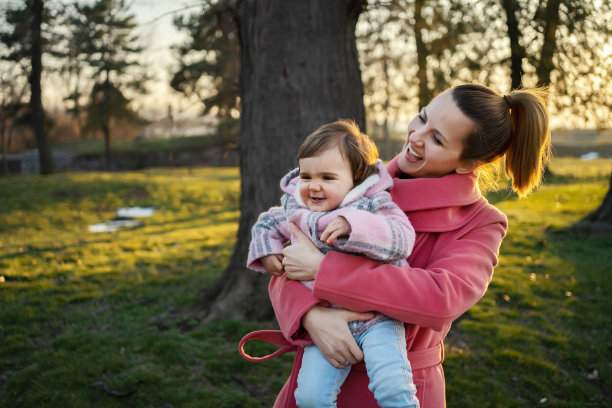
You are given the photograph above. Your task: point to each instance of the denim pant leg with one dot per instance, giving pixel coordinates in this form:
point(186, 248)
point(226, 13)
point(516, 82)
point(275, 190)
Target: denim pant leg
point(318, 381)
point(384, 350)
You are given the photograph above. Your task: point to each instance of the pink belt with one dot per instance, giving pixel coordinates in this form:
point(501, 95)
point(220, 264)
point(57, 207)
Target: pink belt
point(419, 359)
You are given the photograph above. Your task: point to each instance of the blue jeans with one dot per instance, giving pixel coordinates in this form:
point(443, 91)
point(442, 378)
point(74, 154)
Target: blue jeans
point(384, 350)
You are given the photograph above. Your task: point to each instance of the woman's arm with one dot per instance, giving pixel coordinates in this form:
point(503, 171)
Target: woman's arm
point(295, 306)
point(454, 280)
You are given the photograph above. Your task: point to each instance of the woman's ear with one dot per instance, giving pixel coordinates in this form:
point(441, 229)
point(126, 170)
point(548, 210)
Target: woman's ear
point(467, 167)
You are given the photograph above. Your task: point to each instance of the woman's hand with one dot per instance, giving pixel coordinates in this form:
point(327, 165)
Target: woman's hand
point(328, 329)
point(301, 259)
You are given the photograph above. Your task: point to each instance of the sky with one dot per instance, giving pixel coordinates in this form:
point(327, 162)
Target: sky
point(154, 18)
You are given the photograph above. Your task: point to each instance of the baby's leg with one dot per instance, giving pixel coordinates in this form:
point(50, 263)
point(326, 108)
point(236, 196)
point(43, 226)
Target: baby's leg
point(318, 381)
point(384, 350)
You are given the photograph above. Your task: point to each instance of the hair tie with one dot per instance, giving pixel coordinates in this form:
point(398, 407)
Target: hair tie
point(509, 101)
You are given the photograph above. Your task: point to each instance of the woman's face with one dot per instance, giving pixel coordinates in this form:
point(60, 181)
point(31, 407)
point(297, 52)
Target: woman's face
point(435, 140)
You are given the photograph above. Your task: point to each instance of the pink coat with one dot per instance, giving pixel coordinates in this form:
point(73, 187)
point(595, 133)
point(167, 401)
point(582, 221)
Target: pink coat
point(458, 234)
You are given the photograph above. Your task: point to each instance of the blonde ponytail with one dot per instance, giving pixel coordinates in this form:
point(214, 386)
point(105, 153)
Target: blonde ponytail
point(529, 148)
point(513, 127)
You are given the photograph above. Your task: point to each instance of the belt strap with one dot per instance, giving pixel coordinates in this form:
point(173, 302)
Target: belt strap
point(419, 359)
point(425, 358)
point(271, 336)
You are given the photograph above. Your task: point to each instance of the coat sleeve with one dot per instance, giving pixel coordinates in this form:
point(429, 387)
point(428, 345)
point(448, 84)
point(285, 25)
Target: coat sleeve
point(290, 301)
point(268, 235)
point(457, 277)
point(382, 233)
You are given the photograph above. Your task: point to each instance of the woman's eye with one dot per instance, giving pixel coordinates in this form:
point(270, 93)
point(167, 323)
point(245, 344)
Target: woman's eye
point(437, 140)
point(421, 116)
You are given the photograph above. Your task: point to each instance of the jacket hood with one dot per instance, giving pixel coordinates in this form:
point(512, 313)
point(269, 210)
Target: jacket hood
point(374, 184)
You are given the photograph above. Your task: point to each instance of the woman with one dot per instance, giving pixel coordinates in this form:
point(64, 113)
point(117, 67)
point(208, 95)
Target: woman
point(458, 234)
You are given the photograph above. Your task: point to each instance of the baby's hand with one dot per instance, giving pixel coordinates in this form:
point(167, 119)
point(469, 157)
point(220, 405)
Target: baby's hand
point(273, 264)
point(337, 228)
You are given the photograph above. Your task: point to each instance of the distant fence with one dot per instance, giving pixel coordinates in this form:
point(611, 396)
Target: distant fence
point(27, 162)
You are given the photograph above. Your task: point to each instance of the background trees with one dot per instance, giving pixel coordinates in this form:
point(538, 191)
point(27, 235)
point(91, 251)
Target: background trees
point(209, 62)
point(111, 49)
point(23, 39)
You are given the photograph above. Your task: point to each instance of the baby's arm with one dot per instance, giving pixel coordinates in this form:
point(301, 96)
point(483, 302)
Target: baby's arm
point(337, 228)
point(273, 264)
point(383, 232)
point(268, 235)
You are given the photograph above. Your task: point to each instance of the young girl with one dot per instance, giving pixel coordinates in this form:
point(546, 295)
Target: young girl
point(339, 198)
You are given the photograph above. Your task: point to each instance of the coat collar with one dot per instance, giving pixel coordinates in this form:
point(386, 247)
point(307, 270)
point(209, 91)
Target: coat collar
point(437, 204)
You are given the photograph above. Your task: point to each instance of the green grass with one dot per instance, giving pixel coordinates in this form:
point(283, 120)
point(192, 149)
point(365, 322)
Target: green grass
point(81, 310)
point(168, 144)
point(77, 308)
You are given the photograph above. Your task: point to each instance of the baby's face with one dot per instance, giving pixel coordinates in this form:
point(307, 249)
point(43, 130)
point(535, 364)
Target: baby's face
point(325, 179)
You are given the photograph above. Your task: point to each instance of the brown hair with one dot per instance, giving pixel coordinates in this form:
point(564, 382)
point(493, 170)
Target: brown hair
point(355, 146)
point(513, 127)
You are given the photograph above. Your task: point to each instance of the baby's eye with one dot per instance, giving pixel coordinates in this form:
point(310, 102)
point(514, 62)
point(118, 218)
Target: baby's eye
point(328, 178)
point(304, 177)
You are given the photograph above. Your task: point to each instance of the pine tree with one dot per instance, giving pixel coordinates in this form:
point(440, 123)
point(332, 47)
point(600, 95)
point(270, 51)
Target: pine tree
point(110, 47)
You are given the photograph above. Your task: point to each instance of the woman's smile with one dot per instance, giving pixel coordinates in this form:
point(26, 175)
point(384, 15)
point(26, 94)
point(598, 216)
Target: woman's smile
point(434, 143)
point(412, 155)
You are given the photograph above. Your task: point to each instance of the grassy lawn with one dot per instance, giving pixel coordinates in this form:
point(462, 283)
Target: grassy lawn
point(107, 319)
point(96, 146)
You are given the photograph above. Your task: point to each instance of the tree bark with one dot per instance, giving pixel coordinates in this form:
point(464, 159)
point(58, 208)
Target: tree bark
point(300, 69)
point(36, 108)
point(601, 218)
point(106, 131)
point(549, 45)
point(517, 52)
point(422, 52)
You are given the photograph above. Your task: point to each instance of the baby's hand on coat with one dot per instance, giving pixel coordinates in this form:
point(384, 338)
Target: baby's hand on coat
point(273, 264)
point(338, 227)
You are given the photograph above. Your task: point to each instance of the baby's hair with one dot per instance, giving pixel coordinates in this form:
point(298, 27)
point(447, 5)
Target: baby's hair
point(355, 146)
point(514, 127)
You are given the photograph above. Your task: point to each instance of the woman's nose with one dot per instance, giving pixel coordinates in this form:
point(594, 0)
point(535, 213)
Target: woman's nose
point(416, 137)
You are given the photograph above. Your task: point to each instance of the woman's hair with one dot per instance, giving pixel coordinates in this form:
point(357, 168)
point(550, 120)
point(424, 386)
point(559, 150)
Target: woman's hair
point(513, 127)
point(355, 146)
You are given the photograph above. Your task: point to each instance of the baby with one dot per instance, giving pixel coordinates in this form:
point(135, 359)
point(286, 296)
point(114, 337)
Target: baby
point(338, 196)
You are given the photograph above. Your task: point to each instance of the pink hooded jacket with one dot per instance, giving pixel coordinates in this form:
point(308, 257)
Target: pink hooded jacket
point(458, 235)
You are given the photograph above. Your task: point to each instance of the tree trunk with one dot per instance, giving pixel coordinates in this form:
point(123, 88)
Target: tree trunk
point(387, 147)
point(36, 108)
point(601, 218)
point(517, 52)
point(300, 69)
point(3, 141)
point(107, 146)
point(419, 26)
point(106, 101)
point(549, 45)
